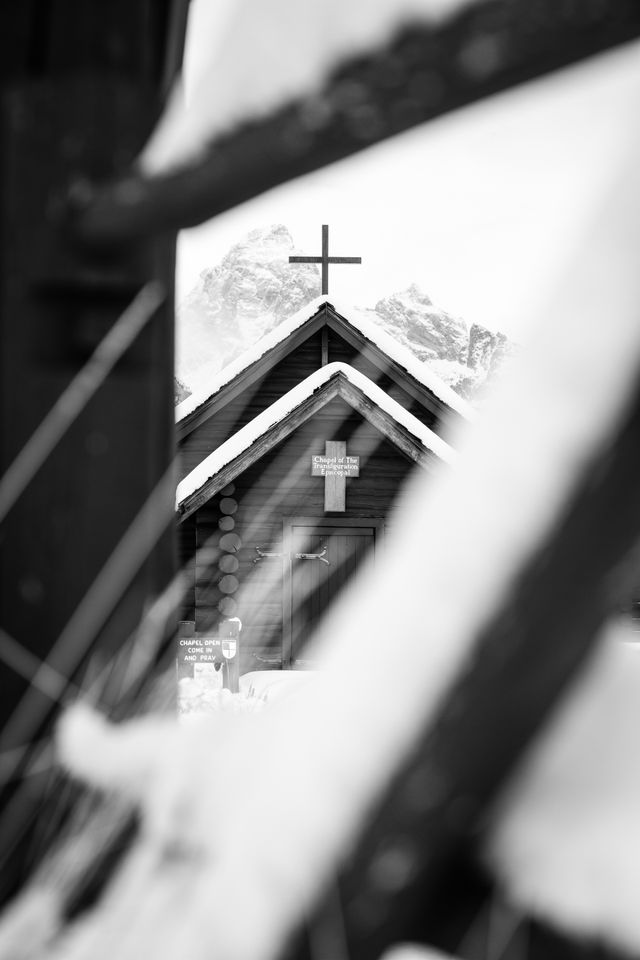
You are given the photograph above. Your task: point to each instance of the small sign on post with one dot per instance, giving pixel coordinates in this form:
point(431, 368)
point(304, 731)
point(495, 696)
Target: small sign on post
point(335, 466)
point(200, 656)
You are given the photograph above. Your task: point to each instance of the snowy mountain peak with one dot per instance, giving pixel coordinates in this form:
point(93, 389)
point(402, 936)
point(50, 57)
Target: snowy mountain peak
point(254, 288)
point(418, 295)
point(236, 302)
point(429, 332)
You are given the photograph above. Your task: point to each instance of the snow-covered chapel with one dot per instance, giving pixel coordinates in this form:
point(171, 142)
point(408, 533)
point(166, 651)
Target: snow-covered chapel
point(291, 459)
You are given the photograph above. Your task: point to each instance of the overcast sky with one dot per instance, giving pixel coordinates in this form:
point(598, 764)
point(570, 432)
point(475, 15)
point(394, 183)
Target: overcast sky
point(480, 208)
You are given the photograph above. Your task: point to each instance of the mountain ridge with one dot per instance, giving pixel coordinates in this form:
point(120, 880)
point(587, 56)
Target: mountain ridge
point(254, 288)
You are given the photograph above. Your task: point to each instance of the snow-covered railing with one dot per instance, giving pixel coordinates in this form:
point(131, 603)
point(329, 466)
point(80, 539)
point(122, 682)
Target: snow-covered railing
point(391, 773)
point(529, 532)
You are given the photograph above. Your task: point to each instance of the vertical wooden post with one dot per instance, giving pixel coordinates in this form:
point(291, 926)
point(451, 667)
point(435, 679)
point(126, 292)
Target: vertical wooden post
point(81, 85)
point(335, 498)
point(324, 349)
point(229, 632)
point(325, 258)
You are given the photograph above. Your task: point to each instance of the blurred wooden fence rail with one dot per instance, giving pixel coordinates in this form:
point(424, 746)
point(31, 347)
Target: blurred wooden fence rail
point(82, 86)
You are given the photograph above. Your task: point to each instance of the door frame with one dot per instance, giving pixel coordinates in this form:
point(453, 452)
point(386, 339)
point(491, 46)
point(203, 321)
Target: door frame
point(288, 523)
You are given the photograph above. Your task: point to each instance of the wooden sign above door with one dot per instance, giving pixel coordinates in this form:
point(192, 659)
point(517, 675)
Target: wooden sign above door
point(335, 466)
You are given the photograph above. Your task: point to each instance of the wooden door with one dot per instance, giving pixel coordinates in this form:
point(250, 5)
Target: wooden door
point(322, 559)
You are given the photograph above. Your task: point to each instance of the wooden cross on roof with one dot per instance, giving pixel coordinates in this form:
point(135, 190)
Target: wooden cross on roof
point(325, 259)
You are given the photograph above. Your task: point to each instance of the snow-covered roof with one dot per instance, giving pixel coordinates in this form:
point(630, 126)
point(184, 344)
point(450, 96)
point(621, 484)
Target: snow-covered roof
point(258, 427)
point(361, 322)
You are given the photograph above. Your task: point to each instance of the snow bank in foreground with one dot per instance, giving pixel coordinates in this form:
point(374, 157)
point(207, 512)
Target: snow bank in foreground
point(566, 840)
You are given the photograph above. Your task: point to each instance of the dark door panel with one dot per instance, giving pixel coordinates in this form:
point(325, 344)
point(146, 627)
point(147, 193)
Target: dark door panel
point(323, 560)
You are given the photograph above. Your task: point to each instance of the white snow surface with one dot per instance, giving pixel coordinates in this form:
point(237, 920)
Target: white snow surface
point(208, 385)
point(290, 46)
point(274, 684)
point(256, 428)
point(268, 811)
point(566, 837)
point(414, 951)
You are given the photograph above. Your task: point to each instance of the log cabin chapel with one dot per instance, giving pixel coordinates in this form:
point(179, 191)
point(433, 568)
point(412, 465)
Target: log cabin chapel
point(290, 462)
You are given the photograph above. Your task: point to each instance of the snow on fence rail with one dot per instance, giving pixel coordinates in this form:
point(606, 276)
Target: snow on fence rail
point(245, 824)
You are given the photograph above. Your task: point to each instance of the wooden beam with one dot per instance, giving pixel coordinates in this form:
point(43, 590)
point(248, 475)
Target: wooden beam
point(324, 349)
point(442, 65)
point(335, 497)
point(81, 87)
